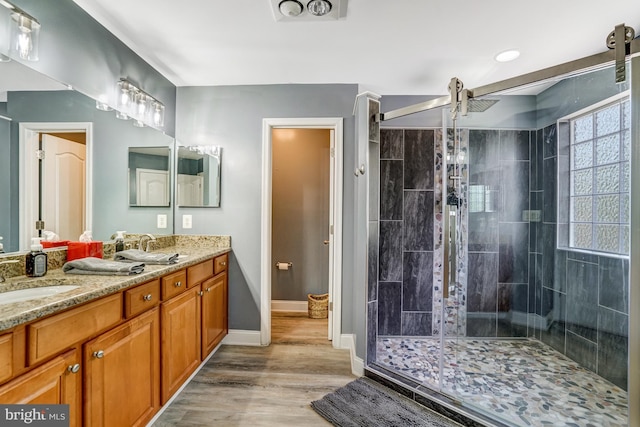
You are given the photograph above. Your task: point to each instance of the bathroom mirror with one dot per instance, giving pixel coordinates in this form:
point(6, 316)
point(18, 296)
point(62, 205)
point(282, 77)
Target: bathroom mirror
point(33, 100)
point(149, 176)
point(198, 176)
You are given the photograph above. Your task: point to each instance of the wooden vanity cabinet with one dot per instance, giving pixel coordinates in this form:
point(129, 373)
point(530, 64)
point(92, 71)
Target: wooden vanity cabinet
point(122, 373)
point(58, 381)
point(117, 359)
point(180, 319)
point(214, 312)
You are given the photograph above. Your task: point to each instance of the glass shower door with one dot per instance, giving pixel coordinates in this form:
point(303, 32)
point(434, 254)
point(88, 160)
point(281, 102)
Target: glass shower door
point(535, 252)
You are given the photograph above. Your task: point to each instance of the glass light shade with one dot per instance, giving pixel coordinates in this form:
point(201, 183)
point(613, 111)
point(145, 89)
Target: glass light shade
point(141, 106)
point(138, 123)
point(24, 38)
point(290, 8)
point(157, 115)
point(122, 116)
point(102, 105)
point(319, 7)
point(123, 96)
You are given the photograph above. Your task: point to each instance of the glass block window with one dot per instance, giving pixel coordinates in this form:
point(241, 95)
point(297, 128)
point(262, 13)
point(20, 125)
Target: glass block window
point(599, 179)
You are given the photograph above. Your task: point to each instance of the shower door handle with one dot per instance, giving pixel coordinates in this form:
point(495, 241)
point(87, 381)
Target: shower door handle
point(449, 238)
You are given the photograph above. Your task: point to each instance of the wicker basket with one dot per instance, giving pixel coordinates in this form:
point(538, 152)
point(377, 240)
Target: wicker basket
point(318, 306)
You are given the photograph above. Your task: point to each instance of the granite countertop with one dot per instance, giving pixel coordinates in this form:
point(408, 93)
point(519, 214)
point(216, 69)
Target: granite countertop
point(90, 286)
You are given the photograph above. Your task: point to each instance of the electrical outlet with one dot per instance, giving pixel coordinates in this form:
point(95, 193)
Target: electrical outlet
point(162, 221)
point(187, 221)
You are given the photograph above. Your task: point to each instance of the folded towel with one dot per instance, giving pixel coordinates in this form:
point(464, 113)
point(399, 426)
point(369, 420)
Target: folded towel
point(146, 257)
point(102, 267)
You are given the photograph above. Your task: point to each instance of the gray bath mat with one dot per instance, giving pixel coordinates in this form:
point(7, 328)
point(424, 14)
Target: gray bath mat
point(364, 402)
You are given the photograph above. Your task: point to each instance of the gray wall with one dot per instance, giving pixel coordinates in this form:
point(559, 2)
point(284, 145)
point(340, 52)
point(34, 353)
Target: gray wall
point(112, 137)
point(231, 116)
point(5, 189)
point(75, 49)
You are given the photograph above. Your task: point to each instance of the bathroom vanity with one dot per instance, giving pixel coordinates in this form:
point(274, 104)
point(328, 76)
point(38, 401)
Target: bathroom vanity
point(116, 348)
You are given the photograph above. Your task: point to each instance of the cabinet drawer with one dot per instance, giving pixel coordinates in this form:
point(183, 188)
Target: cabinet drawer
point(199, 272)
point(220, 264)
point(54, 334)
point(141, 298)
point(173, 284)
point(6, 356)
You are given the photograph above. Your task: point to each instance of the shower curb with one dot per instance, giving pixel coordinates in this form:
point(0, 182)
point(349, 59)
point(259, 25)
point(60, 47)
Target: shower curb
point(429, 399)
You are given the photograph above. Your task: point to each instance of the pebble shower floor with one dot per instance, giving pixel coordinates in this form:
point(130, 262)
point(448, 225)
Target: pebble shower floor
point(522, 381)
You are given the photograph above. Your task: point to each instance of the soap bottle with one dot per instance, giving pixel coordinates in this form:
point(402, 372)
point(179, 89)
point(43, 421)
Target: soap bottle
point(120, 240)
point(36, 260)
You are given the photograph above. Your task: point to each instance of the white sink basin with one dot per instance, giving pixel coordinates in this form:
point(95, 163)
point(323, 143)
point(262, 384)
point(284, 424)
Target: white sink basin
point(33, 293)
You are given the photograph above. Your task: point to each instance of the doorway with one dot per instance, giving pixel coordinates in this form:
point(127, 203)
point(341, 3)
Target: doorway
point(56, 180)
point(331, 243)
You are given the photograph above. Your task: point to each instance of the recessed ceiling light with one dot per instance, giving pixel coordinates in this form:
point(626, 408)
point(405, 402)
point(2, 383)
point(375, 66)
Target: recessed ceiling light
point(507, 55)
point(290, 8)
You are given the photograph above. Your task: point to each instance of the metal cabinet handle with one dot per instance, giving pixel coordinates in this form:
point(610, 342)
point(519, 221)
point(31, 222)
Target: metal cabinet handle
point(147, 297)
point(98, 354)
point(223, 263)
point(208, 289)
point(74, 368)
point(177, 284)
point(201, 293)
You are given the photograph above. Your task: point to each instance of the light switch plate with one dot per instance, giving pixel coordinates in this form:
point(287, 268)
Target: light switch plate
point(187, 221)
point(162, 221)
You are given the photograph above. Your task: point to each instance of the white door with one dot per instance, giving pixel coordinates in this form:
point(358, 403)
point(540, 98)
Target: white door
point(190, 190)
point(152, 187)
point(63, 187)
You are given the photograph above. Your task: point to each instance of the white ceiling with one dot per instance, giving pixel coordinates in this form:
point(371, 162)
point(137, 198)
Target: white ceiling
point(401, 47)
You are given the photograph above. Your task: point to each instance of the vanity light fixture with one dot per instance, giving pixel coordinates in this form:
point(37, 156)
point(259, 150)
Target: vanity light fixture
point(133, 102)
point(24, 33)
point(319, 7)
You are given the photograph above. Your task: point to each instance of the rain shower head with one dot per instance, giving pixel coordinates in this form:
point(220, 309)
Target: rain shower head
point(480, 105)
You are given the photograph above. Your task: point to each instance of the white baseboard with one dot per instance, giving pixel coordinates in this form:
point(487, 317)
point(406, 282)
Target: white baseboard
point(287, 305)
point(242, 337)
point(347, 341)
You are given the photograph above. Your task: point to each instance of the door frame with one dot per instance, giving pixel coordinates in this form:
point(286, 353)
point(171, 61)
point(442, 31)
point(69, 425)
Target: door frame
point(335, 124)
point(28, 165)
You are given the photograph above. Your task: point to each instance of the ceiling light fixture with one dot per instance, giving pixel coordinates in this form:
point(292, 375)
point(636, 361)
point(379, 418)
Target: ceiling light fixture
point(319, 7)
point(507, 55)
point(24, 33)
point(290, 8)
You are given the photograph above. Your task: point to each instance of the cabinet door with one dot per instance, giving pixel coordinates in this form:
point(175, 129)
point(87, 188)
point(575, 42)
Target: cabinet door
point(122, 373)
point(180, 340)
point(214, 312)
point(55, 382)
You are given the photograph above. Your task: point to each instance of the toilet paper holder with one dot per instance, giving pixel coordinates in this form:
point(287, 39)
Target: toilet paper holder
point(284, 264)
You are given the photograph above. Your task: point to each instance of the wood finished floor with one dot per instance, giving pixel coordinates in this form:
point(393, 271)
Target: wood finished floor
point(265, 386)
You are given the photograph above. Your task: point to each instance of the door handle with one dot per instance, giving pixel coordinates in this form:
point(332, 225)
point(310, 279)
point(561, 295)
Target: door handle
point(449, 237)
point(326, 242)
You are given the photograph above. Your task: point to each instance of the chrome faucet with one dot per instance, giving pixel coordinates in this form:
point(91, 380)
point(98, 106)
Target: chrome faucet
point(2, 272)
point(150, 238)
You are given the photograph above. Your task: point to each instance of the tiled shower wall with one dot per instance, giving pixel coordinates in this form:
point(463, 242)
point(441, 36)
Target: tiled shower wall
point(405, 276)
point(519, 284)
point(579, 301)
